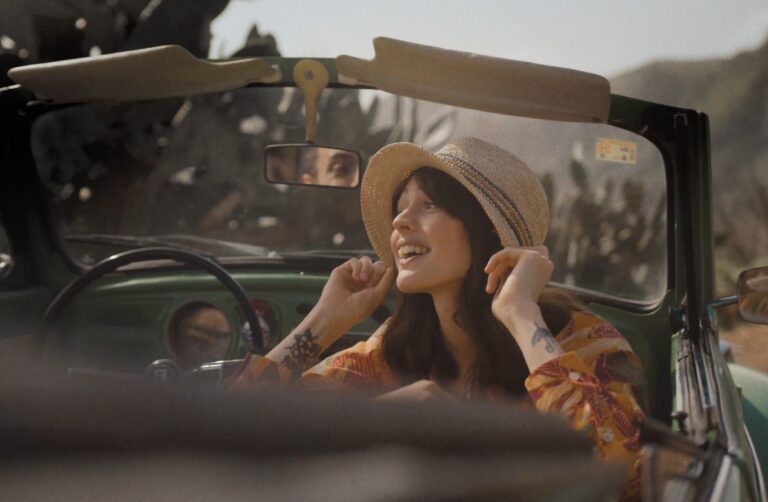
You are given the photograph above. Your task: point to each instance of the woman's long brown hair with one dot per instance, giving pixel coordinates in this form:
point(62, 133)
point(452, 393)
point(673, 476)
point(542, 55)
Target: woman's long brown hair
point(413, 345)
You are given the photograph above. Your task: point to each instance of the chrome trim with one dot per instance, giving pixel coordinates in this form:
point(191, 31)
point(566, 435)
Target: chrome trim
point(718, 490)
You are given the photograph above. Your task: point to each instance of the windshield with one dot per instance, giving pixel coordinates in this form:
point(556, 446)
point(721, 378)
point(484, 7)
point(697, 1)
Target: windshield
point(189, 172)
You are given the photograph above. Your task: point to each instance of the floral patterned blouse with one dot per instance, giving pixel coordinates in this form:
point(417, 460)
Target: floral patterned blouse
point(591, 384)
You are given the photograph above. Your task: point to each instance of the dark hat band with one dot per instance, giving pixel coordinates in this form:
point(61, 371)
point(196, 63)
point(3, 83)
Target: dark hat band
point(517, 224)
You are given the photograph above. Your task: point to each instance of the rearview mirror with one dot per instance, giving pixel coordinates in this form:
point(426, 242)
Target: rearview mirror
point(305, 164)
point(753, 295)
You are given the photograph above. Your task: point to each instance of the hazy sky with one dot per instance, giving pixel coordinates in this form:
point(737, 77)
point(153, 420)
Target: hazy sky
point(602, 36)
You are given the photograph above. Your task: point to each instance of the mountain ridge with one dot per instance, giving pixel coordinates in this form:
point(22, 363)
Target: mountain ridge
point(733, 92)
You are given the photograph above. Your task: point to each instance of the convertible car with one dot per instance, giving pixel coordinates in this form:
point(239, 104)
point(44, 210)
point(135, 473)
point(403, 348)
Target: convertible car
point(162, 215)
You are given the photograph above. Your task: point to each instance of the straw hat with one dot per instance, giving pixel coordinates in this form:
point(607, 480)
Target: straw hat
point(509, 192)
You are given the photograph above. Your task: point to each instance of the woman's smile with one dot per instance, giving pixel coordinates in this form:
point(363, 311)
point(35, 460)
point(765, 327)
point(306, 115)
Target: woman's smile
point(408, 253)
point(409, 259)
point(407, 250)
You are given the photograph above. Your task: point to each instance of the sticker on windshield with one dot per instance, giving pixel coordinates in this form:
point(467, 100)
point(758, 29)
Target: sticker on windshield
point(614, 150)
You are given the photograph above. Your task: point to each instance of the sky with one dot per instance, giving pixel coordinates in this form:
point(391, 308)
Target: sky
point(600, 36)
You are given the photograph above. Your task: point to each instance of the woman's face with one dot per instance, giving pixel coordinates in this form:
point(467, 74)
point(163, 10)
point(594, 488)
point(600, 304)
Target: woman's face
point(431, 247)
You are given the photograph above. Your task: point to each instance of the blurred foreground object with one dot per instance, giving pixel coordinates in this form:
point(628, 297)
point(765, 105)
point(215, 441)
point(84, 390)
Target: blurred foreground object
point(140, 442)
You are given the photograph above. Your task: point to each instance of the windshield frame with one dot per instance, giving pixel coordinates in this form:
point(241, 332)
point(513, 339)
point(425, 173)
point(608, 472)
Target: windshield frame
point(626, 113)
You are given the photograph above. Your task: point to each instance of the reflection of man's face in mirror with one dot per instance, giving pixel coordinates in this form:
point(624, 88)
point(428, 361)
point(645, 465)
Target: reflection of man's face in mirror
point(332, 168)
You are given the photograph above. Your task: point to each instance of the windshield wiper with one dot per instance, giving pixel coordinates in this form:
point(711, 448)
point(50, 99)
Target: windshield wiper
point(330, 253)
point(133, 242)
point(222, 249)
point(218, 247)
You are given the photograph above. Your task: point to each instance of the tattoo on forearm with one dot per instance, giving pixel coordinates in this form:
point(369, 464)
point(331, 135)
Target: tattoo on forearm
point(543, 334)
point(303, 353)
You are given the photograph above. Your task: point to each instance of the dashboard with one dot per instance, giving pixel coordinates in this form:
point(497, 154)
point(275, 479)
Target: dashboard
point(126, 320)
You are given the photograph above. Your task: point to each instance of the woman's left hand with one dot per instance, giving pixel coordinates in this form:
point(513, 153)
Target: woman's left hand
point(516, 278)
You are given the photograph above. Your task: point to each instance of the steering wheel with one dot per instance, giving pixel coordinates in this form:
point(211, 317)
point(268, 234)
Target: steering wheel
point(64, 298)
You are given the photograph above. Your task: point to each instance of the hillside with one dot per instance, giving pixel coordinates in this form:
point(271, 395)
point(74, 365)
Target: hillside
point(734, 93)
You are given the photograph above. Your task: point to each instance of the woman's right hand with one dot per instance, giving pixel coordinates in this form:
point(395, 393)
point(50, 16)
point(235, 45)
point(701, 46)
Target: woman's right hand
point(355, 289)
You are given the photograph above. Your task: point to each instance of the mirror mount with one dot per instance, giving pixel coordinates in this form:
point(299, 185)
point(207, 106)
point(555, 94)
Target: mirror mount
point(725, 301)
point(312, 78)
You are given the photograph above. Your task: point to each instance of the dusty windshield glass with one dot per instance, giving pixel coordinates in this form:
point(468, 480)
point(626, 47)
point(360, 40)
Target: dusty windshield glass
point(189, 172)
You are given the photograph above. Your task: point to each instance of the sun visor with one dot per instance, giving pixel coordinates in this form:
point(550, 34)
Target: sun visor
point(480, 82)
point(153, 73)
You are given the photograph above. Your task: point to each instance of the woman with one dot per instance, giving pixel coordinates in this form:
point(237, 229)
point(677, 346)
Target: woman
point(461, 233)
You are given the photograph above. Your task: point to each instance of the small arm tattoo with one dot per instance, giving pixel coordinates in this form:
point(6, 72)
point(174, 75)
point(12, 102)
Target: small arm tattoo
point(543, 334)
point(303, 353)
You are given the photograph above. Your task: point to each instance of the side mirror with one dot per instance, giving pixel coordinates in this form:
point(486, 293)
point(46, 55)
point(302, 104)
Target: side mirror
point(305, 164)
point(752, 295)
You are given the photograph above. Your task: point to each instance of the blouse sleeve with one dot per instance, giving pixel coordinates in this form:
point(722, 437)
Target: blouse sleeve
point(592, 386)
point(361, 366)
